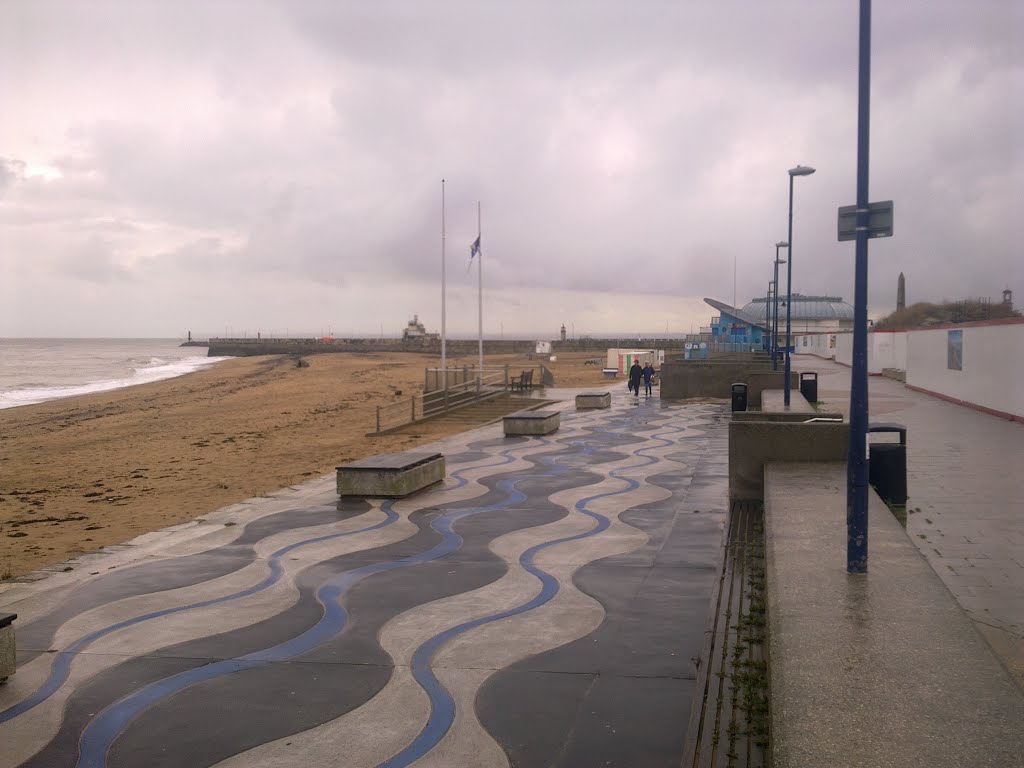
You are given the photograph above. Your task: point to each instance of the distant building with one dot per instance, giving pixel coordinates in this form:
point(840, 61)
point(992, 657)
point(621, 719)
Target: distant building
point(749, 327)
point(808, 313)
point(736, 326)
point(416, 331)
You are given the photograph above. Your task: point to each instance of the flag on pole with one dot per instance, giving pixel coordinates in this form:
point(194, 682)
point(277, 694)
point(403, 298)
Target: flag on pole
point(474, 249)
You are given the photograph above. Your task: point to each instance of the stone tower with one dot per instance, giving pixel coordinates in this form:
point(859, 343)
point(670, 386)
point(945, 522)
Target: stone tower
point(563, 331)
point(901, 293)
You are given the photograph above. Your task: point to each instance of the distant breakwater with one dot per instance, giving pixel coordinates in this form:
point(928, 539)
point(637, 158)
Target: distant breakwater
point(460, 347)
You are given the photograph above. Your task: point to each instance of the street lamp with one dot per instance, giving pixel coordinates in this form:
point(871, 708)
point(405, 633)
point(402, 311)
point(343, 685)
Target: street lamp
point(800, 170)
point(775, 313)
point(768, 314)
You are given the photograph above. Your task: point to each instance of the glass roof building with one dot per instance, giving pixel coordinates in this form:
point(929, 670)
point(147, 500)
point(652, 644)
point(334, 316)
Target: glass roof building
point(808, 313)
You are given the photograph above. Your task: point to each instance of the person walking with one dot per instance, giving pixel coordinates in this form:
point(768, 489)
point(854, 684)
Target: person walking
point(648, 373)
point(634, 378)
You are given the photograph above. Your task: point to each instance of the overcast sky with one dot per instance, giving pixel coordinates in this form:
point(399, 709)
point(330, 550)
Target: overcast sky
point(234, 167)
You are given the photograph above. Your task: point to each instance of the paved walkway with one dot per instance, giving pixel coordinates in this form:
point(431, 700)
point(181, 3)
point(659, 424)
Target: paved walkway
point(542, 608)
point(966, 499)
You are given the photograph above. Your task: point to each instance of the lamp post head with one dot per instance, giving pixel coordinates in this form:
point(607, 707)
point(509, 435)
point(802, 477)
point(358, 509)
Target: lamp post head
point(801, 170)
point(782, 244)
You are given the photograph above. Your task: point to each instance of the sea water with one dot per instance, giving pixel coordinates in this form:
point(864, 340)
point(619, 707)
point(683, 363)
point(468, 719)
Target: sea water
point(36, 370)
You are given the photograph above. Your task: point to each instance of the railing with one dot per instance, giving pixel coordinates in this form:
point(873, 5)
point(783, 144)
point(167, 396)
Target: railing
point(437, 378)
point(442, 400)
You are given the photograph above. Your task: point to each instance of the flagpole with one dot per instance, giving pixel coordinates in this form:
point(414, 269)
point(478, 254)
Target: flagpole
point(444, 356)
point(480, 294)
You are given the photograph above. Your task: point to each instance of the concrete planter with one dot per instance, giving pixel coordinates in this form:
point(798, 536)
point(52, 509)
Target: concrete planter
point(391, 475)
point(531, 423)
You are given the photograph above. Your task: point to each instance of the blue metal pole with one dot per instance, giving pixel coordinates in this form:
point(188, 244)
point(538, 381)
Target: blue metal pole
point(775, 315)
point(789, 290)
point(857, 467)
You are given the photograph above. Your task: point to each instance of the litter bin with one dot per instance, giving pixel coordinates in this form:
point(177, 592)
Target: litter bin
point(887, 464)
point(809, 386)
point(739, 396)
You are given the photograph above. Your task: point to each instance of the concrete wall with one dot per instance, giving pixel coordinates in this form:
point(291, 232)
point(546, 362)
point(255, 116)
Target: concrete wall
point(820, 344)
point(886, 349)
point(754, 443)
point(992, 365)
point(682, 380)
point(785, 415)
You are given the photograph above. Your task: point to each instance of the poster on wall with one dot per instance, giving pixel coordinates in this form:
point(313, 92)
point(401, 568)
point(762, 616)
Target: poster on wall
point(955, 350)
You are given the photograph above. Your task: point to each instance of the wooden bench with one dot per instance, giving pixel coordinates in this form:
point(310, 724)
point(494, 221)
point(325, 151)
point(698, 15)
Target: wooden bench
point(523, 381)
point(7, 656)
point(531, 423)
point(391, 475)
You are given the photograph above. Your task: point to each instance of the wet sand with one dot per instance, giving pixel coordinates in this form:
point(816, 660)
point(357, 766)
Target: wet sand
point(83, 473)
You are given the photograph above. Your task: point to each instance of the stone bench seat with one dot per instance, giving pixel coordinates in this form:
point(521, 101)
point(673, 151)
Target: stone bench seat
point(7, 660)
point(391, 475)
point(772, 401)
point(538, 422)
point(586, 400)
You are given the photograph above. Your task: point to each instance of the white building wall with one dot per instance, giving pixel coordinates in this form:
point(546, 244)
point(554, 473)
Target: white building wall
point(992, 375)
point(887, 349)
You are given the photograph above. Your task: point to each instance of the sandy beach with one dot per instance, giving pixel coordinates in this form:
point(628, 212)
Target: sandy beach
point(83, 473)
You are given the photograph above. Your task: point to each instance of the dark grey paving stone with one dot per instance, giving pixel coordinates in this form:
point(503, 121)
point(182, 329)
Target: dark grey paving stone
point(36, 635)
point(281, 700)
point(545, 720)
point(531, 714)
point(628, 722)
point(91, 698)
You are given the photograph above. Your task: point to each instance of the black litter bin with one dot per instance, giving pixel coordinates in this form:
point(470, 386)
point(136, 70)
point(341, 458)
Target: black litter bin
point(809, 386)
point(887, 464)
point(739, 396)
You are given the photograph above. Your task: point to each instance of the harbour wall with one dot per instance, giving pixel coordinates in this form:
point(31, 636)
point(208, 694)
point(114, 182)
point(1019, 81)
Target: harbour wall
point(221, 347)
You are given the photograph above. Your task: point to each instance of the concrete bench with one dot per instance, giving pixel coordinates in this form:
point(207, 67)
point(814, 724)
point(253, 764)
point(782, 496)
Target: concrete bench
point(773, 401)
point(531, 422)
point(391, 475)
point(752, 444)
point(610, 373)
point(6, 645)
point(586, 400)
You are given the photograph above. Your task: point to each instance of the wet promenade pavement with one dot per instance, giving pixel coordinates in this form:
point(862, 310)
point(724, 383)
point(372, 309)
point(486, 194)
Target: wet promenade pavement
point(966, 499)
point(543, 607)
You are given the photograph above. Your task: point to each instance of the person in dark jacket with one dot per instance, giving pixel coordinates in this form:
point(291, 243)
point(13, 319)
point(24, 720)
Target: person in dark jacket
point(648, 373)
point(634, 378)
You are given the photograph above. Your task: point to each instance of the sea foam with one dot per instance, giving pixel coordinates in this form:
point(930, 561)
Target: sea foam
point(157, 369)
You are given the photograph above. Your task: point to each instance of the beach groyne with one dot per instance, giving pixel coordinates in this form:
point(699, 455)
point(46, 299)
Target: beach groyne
point(245, 347)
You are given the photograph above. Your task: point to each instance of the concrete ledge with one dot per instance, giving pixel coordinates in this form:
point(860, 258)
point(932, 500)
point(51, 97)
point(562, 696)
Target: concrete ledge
point(882, 669)
point(390, 475)
point(752, 444)
point(593, 400)
point(531, 422)
point(7, 646)
point(773, 401)
point(784, 416)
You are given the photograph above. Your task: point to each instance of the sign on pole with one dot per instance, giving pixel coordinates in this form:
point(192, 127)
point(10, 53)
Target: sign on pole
point(879, 220)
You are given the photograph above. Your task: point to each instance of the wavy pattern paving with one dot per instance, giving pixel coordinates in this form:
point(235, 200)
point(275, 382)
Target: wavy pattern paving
point(483, 622)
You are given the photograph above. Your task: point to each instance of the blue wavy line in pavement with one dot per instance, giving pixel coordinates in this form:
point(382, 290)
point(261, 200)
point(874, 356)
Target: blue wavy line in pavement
point(442, 705)
point(100, 733)
point(61, 667)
